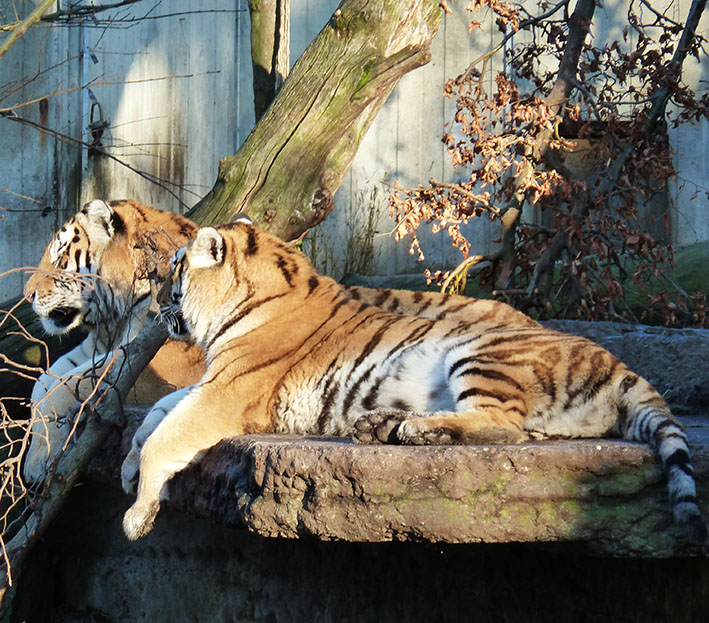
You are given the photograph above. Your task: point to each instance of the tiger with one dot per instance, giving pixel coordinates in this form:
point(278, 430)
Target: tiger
point(290, 351)
point(93, 276)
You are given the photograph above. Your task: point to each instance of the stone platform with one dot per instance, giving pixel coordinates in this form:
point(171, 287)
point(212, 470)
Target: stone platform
point(609, 496)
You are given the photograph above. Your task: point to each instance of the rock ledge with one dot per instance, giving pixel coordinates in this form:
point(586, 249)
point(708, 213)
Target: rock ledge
point(606, 495)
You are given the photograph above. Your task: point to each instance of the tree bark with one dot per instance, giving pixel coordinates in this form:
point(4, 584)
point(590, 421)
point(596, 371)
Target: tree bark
point(287, 171)
point(270, 43)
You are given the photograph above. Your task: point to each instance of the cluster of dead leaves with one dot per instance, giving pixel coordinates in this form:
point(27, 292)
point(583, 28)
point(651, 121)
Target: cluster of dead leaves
point(512, 151)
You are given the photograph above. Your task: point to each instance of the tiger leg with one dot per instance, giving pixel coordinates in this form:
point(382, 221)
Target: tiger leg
point(131, 464)
point(469, 427)
point(64, 367)
point(51, 423)
point(181, 438)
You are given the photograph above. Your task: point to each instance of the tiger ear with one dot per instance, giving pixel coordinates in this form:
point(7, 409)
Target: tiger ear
point(98, 219)
point(207, 249)
point(240, 217)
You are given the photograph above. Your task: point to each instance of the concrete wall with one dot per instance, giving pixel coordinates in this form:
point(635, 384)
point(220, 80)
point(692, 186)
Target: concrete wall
point(180, 102)
point(175, 93)
point(39, 176)
point(187, 570)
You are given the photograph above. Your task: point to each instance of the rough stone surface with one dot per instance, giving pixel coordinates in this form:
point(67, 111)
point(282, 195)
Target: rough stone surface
point(608, 495)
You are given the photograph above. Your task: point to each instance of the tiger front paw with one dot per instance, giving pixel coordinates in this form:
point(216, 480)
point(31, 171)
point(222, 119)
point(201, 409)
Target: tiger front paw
point(139, 519)
point(418, 432)
point(379, 426)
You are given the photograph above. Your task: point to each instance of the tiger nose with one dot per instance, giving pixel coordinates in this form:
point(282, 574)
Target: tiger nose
point(29, 293)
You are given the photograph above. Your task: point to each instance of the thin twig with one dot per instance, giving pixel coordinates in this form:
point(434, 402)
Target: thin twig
point(24, 26)
point(61, 135)
point(84, 10)
point(97, 83)
point(522, 25)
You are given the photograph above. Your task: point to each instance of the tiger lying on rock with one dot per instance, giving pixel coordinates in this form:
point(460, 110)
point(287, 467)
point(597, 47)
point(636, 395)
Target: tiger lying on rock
point(94, 275)
point(290, 351)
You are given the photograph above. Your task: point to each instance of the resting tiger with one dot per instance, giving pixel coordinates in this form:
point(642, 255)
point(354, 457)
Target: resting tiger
point(289, 351)
point(93, 274)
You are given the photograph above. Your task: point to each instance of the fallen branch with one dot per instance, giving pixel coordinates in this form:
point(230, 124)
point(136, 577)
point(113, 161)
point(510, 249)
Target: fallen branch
point(104, 414)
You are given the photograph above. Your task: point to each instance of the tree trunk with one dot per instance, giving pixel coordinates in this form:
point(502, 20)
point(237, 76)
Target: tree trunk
point(270, 43)
point(288, 169)
point(579, 26)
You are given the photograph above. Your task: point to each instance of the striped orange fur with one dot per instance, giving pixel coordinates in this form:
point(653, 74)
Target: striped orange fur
point(93, 275)
point(290, 351)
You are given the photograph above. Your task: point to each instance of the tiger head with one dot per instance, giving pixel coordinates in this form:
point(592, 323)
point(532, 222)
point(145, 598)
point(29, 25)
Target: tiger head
point(235, 273)
point(170, 299)
point(62, 287)
point(99, 262)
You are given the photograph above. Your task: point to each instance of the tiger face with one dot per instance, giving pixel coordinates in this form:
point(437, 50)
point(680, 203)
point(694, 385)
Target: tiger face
point(97, 267)
point(198, 275)
point(170, 299)
point(61, 290)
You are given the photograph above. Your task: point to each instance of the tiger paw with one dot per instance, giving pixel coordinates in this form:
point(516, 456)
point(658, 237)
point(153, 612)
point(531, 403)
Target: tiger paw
point(442, 430)
point(379, 426)
point(139, 519)
point(418, 432)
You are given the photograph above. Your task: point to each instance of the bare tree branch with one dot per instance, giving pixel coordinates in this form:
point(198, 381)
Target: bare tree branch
point(24, 26)
point(84, 10)
point(105, 414)
point(579, 26)
point(657, 110)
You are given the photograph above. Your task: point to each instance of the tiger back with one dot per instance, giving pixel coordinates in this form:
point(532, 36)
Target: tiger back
point(290, 351)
